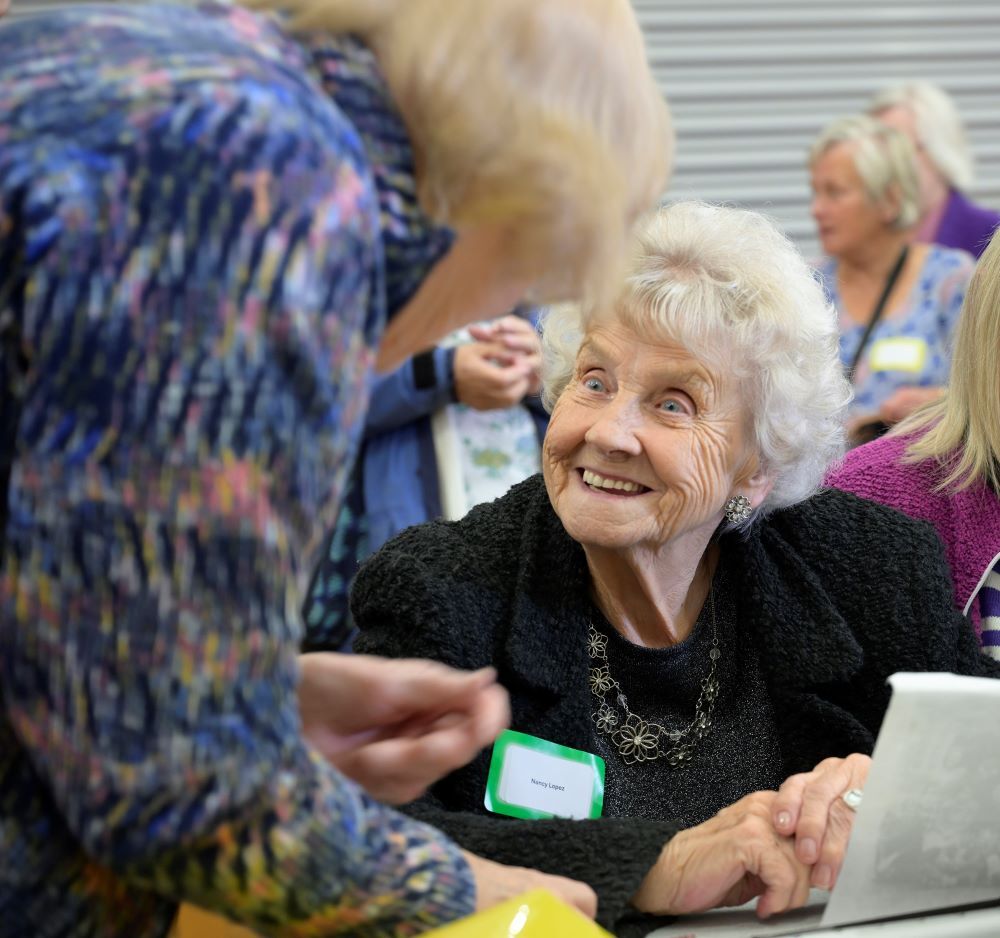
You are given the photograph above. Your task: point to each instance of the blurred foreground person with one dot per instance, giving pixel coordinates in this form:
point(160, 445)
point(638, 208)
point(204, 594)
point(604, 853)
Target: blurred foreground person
point(204, 225)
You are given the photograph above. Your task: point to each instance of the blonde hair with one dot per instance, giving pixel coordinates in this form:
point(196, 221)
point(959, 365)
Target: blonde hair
point(884, 158)
point(938, 126)
point(962, 428)
point(727, 285)
point(540, 115)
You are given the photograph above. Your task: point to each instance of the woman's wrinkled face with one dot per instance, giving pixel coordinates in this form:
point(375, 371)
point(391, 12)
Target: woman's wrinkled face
point(846, 218)
point(646, 444)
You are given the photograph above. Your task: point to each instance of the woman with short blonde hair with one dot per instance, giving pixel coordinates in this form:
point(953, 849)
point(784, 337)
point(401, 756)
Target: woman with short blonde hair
point(510, 131)
point(897, 302)
point(206, 223)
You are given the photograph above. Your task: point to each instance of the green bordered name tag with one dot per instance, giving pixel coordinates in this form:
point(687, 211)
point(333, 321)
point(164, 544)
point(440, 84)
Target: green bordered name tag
point(533, 778)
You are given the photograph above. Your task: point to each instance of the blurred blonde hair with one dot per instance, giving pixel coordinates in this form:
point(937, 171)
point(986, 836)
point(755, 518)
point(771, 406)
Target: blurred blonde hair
point(885, 160)
point(962, 428)
point(540, 115)
point(938, 125)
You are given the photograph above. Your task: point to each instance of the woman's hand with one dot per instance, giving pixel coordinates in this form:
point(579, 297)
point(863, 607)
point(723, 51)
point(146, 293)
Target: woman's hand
point(809, 808)
point(727, 860)
point(496, 882)
point(519, 337)
point(393, 726)
point(489, 377)
point(904, 401)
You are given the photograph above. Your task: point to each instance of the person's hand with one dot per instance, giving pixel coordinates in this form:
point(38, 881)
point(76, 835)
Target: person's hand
point(496, 882)
point(395, 727)
point(520, 338)
point(727, 860)
point(809, 808)
point(904, 401)
point(489, 377)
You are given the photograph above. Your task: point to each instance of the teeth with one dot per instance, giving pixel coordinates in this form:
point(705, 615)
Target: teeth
point(592, 478)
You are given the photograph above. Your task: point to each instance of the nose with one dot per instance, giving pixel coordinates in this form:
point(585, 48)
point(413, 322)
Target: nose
point(816, 207)
point(614, 431)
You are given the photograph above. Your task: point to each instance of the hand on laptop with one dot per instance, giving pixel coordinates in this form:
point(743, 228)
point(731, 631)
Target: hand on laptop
point(810, 807)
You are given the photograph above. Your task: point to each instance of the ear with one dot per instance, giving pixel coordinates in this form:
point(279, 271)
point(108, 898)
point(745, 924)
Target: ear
point(756, 485)
point(890, 205)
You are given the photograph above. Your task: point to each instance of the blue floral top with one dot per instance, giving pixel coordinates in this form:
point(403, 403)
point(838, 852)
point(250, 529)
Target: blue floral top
point(910, 345)
point(203, 226)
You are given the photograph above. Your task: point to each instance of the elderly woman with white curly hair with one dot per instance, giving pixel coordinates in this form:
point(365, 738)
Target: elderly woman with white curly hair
point(897, 302)
point(675, 596)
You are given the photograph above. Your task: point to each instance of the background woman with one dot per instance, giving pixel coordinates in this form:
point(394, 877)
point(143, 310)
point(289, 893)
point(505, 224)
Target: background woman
point(672, 595)
point(203, 227)
point(454, 426)
point(943, 463)
point(865, 202)
point(928, 116)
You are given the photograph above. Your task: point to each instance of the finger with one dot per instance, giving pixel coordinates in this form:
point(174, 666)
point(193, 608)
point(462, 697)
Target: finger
point(787, 804)
point(506, 377)
point(483, 333)
point(490, 715)
point(839, 824)
point(786, 879)
point(824, 788)
point(419, 687)
point(399, 768)
point(447, 743)
point(579, 895)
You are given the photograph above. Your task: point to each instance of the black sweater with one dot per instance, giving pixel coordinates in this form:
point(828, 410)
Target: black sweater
point(837, 592)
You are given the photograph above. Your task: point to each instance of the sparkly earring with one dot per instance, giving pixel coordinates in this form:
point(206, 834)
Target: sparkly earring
point(738, 509)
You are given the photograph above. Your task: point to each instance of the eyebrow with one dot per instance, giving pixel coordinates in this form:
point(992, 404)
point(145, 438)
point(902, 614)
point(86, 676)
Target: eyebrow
point(688, 377)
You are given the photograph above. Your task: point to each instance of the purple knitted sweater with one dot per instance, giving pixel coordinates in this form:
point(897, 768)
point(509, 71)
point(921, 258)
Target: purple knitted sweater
point(968, 522)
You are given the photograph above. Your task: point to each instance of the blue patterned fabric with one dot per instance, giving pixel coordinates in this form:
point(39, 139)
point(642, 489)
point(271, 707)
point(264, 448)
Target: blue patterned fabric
point(203, 226)
point(930, 313)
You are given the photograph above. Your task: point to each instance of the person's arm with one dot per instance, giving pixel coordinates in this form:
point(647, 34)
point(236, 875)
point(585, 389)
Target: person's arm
point(417, 388)
point(158, 705)
point(612, 855)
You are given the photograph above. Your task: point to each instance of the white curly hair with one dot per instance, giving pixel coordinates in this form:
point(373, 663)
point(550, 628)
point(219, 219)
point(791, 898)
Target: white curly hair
point(732, 289)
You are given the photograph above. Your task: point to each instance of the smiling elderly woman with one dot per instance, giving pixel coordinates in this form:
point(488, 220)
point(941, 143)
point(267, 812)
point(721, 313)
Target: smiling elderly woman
point(673, 596)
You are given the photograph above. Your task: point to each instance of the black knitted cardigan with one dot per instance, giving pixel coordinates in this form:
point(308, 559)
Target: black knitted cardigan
point(839, 593)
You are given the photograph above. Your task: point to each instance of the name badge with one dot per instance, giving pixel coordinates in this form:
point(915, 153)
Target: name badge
point(533, 778)
point(903, 353)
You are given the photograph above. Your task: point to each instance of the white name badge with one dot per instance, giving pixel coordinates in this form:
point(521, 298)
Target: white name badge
point(533, 778)
point(903, 353)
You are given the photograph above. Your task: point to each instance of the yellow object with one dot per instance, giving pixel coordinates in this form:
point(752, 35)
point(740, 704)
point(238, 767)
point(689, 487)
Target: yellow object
point(193, 922)
point(900, 353)
point(536, 914)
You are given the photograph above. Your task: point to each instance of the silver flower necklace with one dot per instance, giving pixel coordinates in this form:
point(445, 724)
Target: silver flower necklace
point(640, 740)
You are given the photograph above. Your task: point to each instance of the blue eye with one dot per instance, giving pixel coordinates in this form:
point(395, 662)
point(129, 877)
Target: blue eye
point(593, 384)
point(672, 406)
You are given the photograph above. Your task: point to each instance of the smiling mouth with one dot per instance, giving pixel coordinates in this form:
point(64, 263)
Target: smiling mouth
point(611, 486)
